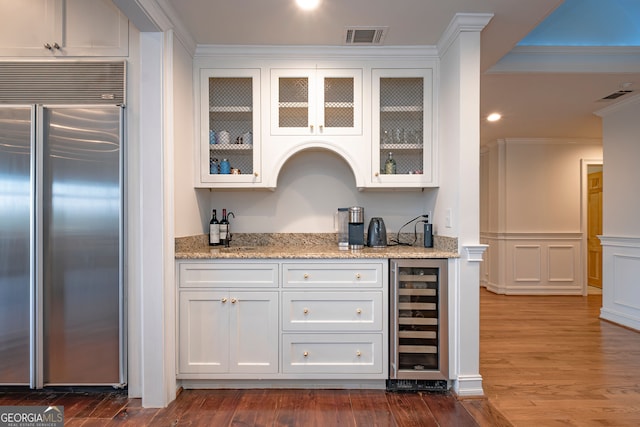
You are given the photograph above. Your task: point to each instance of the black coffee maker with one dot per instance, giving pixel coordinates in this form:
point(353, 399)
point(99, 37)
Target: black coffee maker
point(356, 227)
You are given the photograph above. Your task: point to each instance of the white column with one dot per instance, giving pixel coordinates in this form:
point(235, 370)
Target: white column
point(458, 206)
point(158, 386)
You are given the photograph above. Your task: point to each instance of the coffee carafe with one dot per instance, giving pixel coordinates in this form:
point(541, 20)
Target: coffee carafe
point(356, 227)
point(377, 234)
point(341, 227)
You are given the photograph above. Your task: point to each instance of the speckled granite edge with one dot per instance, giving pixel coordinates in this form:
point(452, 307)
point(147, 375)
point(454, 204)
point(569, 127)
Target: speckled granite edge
point(194, 243)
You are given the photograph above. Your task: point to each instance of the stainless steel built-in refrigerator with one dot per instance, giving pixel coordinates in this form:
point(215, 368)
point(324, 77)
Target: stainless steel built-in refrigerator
point(61, 246)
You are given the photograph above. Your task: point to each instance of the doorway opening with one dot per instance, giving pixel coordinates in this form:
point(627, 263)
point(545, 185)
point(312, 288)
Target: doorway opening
point(592, 190)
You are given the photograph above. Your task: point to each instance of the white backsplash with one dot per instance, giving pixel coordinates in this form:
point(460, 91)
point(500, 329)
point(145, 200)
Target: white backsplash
point(311, 186)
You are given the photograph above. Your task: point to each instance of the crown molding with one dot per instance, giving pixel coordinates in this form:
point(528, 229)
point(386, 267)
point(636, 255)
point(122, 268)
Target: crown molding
point(313, 52)
point(462, 22)
point(156, 16)
point(569, 59)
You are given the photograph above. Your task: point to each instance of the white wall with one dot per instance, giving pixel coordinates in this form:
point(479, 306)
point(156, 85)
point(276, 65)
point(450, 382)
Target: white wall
point(621, 204)
point(531, 215)
point(543, 184)
point(311, 186)
point(187, 215)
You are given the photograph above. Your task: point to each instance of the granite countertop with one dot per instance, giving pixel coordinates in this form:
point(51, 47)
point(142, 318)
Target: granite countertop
point(316, 246)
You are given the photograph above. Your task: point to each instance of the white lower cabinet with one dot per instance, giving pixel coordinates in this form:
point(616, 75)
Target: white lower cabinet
point(334, 318)
point(287, 320)
point(227, 318)
point(228, 332)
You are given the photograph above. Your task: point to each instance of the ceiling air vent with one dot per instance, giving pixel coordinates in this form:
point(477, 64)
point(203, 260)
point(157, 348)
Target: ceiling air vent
point(616, 95)
point(365, 35)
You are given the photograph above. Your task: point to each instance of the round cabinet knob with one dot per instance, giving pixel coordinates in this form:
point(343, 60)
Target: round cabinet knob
point(223, 300)
point(376, 174)
point(321, 128)
point(305, 311)
point(48, 46)
point(357, 275)
point(306, 275)
point(305, 354)
point(358, 353)
point(359, 310)
point(311, 128)
point(255, 173)
point(233, 300)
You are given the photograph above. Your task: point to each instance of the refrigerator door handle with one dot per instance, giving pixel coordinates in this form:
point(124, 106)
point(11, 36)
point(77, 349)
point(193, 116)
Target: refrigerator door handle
point(122, 330)
point(37, 358)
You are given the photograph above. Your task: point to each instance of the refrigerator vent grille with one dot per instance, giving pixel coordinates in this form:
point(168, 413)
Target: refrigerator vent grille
point(62, 82)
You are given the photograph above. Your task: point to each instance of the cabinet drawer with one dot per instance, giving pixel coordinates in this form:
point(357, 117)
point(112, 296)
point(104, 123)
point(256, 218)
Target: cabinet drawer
point(331, 353)
point(332, 311)
point(332, 275)
point(199, 275)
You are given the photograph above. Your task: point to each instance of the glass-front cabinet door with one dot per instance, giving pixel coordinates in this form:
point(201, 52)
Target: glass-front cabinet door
point(316, 102)
point(230, 146)
point(403, 152)
point(419, 319)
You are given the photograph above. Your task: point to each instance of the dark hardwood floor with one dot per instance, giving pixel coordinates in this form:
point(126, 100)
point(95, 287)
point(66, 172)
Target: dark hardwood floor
point(545, 361)
point(257, 407)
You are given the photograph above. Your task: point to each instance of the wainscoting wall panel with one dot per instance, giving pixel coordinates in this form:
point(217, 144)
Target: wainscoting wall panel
point(526, 263)
point(621, 280)
point(533, 263)
point(561, 261)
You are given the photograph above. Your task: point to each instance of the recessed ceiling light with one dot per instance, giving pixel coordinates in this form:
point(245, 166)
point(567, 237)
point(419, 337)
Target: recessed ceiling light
point(308, 4)
point(494, 117)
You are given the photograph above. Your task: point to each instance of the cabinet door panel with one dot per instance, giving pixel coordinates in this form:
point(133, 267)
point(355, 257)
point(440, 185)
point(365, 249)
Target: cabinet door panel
point(339, 108)
point(230, 128)
point(94, 27)
point(204, 332)
point(403, 130)
point(293, 102)
point(253, 346)
point(66, 27)
point(25, 26)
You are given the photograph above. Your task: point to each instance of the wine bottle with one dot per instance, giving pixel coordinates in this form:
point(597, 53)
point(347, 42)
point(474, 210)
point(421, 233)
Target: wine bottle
point(390, 165)
point(224, 228)
point(214, 230)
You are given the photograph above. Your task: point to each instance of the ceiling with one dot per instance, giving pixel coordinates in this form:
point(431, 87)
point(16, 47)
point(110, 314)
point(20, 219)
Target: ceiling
point(542, 91)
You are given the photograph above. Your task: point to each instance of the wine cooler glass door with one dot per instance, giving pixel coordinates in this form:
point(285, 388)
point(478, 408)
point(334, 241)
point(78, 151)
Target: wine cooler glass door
point(420, 342)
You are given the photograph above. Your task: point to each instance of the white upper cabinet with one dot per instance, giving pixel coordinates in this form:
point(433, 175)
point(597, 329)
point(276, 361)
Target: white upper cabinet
point(256, 113)
point(403, 149)
point(316, 102)
point(230, 138)
point(61, 28)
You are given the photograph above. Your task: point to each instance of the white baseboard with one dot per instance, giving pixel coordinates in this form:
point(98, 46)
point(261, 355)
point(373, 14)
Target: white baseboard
point(468, 385)
point(620, 318)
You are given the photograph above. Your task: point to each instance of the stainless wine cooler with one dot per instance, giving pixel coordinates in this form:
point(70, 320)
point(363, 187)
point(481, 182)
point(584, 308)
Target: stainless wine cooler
point(419, 356)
